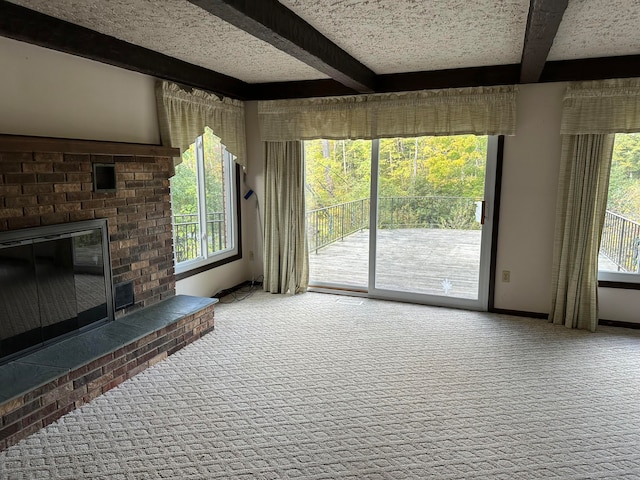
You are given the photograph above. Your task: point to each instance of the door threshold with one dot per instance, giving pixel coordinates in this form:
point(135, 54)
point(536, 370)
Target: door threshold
point(347, 291)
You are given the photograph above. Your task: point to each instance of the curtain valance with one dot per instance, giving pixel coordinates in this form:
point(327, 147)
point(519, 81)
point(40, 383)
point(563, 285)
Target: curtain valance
point(183, 114)
point(603, 106)
point(481, 110)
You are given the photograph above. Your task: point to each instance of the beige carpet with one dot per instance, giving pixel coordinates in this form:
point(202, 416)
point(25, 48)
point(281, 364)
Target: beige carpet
point(320, 387)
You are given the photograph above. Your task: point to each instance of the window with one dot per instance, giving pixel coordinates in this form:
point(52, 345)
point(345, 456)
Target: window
point(205, 209)
point(619, 259)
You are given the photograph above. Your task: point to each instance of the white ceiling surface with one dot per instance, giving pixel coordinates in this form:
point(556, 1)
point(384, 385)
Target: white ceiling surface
point(393, 36)
point(388, 36)
point(181, 30)
point(598, 28)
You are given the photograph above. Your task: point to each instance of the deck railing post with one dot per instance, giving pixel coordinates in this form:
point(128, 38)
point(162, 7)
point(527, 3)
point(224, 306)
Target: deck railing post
point(342, 221)
point(620, 245)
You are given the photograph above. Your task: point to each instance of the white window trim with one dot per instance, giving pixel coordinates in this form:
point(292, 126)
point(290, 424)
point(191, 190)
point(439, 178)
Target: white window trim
point(618, 277)
point(622, 277)
point(232, 225)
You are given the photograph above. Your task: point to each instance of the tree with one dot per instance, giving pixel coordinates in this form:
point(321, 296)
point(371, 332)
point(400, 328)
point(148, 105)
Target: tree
point(184, 187)
point(624, 182)
point(456, 165)
point(414, 176)
point(337, 171)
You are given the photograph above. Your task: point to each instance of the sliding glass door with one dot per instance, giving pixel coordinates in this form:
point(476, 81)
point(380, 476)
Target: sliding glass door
point(338, 174)
point(421, 233)
point(431, 219)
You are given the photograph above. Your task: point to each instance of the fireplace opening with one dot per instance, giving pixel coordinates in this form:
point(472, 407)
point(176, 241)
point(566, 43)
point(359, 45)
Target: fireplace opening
point(55, 281)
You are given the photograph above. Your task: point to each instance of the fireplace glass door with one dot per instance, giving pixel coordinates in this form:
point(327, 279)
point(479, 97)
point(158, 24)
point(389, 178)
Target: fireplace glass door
point(53, 281)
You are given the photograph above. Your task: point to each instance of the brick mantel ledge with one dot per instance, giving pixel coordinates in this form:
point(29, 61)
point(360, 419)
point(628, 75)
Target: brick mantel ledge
point(20, 143)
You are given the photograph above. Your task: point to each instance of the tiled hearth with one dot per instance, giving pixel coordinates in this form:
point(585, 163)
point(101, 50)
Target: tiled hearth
point(50, 181)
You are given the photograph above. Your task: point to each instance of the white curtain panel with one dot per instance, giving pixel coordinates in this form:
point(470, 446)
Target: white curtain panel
point(286, 259)
point(480, 111)
point(604, 106)
point(183, 114)
point(592, 113)
point(582, 201)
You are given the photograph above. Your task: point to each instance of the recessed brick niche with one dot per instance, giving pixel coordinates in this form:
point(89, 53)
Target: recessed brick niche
point(50, 181)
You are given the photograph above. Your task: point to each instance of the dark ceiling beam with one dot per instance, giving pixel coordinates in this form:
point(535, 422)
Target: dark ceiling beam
point(542, 25)
point(275, 24)
point(452, 78)
point(625, 66)
point(23, 24)
point(397, 82)
point(299, 89)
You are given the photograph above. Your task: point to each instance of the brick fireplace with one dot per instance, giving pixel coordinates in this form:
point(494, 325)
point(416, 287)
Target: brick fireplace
point(46, 188)
point(51, 181)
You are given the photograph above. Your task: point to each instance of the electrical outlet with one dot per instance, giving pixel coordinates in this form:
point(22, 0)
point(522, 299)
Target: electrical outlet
point(506, 276)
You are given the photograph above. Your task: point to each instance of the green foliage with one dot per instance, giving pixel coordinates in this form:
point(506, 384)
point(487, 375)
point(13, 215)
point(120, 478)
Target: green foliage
point(461, 216)
point(339, 171)
point(624, 183)
point(430, 182)
point(184, 185)
point(214, 171)
point(440, 166)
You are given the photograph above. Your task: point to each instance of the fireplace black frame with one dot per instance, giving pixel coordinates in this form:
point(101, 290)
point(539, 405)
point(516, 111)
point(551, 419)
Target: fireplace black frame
point(61, 238)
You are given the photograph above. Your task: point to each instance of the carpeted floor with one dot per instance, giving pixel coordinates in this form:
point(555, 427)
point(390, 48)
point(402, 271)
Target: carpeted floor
point(320, 387)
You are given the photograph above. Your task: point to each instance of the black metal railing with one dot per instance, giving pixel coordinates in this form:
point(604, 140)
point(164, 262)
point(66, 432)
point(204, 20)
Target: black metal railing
point(620, 236)
point(187, 242)
point(330, 224)
point(621, 242)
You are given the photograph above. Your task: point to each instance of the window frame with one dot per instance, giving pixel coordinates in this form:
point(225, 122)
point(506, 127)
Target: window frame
point(627, 280)
point(620, 280)
point(207, 261)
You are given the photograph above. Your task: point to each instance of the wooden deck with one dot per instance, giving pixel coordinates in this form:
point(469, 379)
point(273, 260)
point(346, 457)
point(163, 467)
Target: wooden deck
point(409, 260)
point(429, 261)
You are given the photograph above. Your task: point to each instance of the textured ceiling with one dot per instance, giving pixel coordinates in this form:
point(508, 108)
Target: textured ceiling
point(415, 35)
point(598, 28)
point(388, 36)
point(182, 30)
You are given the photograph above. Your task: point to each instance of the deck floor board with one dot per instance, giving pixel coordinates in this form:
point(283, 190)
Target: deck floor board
point(408, 260)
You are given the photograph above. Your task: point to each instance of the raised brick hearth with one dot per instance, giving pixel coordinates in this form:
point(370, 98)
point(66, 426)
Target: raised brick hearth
point(103, 358)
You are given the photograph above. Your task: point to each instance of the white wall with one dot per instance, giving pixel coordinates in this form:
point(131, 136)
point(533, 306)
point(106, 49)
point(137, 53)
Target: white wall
point(255, 180)
point(528, 200)
point(52, 94)
point(620, 305)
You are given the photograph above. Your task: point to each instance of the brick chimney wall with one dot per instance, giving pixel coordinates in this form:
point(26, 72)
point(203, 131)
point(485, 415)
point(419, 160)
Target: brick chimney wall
point(39, 189)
